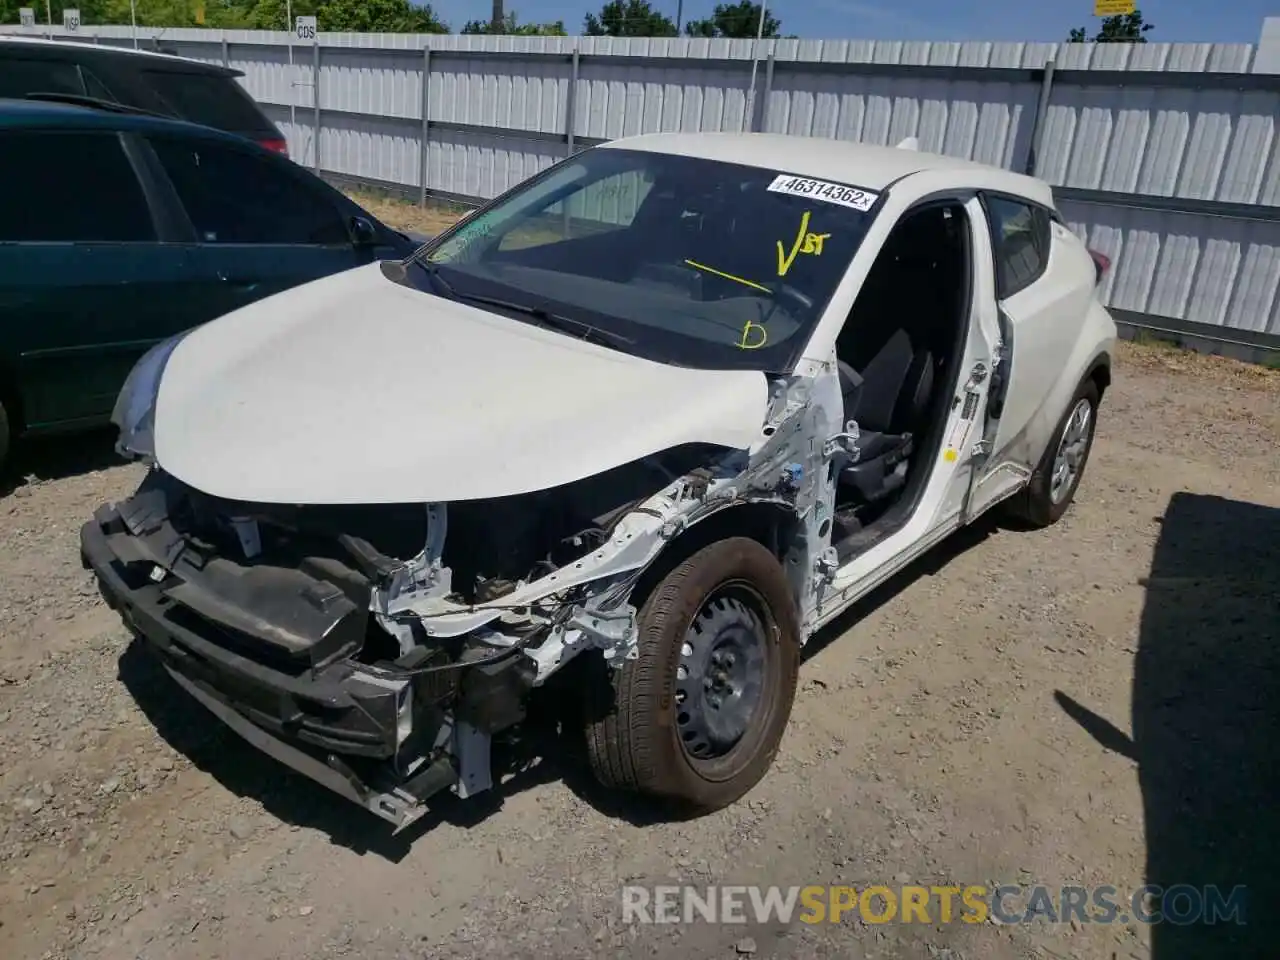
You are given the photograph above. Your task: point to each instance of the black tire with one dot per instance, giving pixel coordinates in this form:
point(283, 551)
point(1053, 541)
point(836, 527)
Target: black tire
point(1036, 506)
point(638, 737)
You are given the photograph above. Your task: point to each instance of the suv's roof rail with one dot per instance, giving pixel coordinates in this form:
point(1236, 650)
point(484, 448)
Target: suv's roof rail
point(82, 100)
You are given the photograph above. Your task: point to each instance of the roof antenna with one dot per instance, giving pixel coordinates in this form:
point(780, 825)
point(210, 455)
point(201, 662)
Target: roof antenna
point(911, 143)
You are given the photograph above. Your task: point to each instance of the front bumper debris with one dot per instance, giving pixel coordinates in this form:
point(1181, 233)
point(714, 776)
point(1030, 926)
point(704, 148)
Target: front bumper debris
point(276, 654)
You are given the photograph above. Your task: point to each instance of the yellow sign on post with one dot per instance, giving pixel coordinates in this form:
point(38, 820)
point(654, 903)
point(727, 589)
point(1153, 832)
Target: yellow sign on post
point(1113, 8)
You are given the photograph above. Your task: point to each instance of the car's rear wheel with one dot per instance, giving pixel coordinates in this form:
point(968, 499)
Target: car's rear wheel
point(698, 715)
point(1056, 478)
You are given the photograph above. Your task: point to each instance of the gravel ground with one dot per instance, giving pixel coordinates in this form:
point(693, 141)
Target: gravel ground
point(1089, 704)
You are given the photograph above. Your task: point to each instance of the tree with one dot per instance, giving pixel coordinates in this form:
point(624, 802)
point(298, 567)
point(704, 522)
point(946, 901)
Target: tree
point(628, 18)
point(379, 16)
point(174, 13)
point(740, 20)
point(1123, 28)
point(355, 16)
point(512, 27)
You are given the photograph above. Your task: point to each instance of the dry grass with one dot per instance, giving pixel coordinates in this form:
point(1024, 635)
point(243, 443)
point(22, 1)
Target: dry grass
point(404, 215)
point(1158, 355)
point(1147, 353)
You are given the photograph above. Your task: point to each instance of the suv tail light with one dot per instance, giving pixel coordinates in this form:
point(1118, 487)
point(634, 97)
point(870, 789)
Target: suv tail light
point(1101, 264)
point(275, 146)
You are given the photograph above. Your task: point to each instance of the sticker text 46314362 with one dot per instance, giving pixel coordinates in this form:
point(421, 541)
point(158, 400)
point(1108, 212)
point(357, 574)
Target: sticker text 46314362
point(824, 190)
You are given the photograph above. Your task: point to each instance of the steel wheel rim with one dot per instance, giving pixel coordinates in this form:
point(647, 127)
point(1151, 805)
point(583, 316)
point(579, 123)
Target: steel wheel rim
point(1072, 447)
point(721, 675)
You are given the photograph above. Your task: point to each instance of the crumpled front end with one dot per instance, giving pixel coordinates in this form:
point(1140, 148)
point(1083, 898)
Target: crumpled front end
point(263, 614)
point(379, 648)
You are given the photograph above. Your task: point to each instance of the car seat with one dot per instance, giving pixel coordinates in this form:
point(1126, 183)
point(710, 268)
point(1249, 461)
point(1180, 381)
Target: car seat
point(889, 363)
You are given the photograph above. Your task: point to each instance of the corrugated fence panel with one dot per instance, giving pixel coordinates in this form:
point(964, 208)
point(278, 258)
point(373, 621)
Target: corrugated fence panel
point(389, 84)
point(1205, 269)
point(480, 165)
point(986, 122)
point(1136, 143)
point(496, 93)
point(1195, 144)
point(375, 148)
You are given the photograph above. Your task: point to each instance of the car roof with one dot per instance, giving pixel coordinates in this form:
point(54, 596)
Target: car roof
point(18, 114)
point(100, 51)
point(843, 161)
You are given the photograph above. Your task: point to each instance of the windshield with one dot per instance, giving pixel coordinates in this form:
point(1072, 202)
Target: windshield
point(678, 259)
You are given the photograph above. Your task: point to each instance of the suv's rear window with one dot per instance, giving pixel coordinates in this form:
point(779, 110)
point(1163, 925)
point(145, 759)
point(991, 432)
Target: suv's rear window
point(21, 77)
point(213, 101)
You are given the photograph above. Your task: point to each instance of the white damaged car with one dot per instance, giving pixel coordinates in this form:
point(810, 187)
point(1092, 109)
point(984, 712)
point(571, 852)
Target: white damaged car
point(660, 413)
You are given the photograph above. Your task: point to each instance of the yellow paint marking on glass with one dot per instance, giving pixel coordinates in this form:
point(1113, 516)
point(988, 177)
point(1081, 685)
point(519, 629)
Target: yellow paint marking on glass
point(727, 276)
point(754, 336)
point(950, 456)
point(806, 242)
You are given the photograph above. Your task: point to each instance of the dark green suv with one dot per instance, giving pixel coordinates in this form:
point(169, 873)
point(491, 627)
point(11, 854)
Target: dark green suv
point(118, 230)
point(157, 83)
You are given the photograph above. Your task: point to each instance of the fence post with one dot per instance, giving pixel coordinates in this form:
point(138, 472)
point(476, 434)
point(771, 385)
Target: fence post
point(426, 124)
point(226, 53)
point(571, 102)
point(760, 109)
point(315, 96)
point(1037, 131)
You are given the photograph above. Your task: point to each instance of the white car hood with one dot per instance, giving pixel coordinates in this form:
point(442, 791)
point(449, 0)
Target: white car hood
point(355, 389)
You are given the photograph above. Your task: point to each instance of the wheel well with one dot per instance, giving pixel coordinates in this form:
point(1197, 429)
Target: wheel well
point(769, 524)
point(1100, 374)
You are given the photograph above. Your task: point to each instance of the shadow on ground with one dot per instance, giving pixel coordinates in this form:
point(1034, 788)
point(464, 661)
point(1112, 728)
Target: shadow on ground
point(1205, 731)
point(292, 798)
point(56, 458)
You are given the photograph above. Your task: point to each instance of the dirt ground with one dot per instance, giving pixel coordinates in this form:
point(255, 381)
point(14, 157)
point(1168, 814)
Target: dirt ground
point(1091, 704)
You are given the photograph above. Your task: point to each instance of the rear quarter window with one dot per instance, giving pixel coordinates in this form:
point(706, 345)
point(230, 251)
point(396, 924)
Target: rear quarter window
point(207, 99)
point(1020, 240)
point(18, 78)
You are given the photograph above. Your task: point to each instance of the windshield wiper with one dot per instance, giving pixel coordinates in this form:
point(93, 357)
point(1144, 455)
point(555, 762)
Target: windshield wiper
point(553, 321)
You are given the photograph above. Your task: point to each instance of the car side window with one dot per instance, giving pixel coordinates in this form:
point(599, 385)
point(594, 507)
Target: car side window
point(21, 77)
point(233, 196)
point(1020, 237)
point(51, 195)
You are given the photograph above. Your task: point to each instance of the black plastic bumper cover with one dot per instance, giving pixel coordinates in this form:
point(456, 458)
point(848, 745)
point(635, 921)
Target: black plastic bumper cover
point(329, 709)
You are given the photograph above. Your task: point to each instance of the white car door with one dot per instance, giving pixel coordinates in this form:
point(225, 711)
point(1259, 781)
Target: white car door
point(943, 504)
point(1042, 293)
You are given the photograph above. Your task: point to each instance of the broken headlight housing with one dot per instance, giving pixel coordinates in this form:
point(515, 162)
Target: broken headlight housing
point(134, 412)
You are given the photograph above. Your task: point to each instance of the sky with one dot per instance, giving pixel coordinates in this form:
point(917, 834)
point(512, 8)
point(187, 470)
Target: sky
point(1225, 21)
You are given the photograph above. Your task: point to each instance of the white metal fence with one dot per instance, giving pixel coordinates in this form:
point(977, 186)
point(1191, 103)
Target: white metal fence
point(1162, 156)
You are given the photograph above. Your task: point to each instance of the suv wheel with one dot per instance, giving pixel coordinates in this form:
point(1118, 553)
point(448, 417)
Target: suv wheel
point(698, 715)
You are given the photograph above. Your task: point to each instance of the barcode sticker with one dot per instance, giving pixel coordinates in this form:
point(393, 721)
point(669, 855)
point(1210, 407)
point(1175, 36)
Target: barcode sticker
point(846, 196)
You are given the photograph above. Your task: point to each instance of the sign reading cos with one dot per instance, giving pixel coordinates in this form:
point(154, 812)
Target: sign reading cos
point(305, 29)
